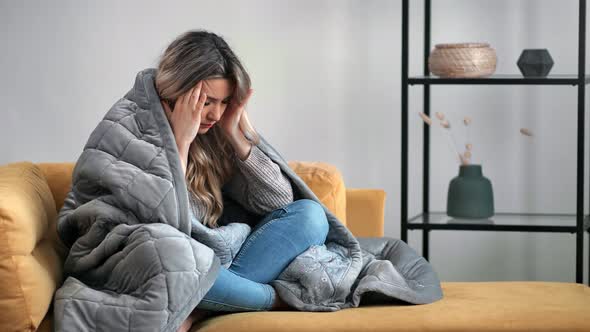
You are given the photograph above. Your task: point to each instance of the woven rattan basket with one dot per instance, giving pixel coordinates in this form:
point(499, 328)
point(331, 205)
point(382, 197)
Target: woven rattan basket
point(462, 60)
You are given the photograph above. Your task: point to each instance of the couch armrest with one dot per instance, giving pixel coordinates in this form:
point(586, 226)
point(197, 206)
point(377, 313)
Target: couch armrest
point(365, 212)
point(59, 179)
point(30, 268)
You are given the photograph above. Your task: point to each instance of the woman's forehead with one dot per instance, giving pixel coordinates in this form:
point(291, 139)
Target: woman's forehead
point(217, 88)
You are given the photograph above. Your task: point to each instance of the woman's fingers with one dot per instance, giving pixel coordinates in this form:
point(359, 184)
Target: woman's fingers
point(196, 95)
point(241, 109)
point(201, 102)
point(248, 95)
point(177, 103)
point(183, 98)
point(189, 97)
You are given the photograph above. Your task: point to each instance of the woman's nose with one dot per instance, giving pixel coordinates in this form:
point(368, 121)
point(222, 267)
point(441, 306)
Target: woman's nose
point(215, 113)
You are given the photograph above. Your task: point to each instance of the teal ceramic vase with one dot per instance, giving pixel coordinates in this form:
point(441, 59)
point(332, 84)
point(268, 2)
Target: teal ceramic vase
point(470, 194)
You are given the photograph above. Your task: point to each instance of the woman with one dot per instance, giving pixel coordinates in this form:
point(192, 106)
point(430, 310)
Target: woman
point(203, 89)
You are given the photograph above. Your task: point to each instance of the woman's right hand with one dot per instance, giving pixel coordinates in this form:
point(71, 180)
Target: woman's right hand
point(185, 119)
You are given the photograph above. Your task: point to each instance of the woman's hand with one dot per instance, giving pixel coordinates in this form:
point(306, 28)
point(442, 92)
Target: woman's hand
point(185, 119)
point(230, 120)
point(230, 124)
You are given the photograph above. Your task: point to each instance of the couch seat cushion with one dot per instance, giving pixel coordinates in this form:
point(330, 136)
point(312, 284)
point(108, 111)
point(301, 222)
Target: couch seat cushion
point(466, 306)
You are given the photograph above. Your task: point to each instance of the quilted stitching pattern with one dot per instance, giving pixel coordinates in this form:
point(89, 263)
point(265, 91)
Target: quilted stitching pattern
point(142, 288)
point(225, 240)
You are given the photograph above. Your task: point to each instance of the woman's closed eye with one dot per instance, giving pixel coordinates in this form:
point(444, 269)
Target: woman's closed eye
point(207, 103)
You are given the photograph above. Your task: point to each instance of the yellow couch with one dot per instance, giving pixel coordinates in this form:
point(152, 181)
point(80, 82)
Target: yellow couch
point(32, 256)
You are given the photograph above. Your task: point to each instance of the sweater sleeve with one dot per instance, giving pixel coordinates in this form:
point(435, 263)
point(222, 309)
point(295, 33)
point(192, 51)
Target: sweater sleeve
point(258, 183)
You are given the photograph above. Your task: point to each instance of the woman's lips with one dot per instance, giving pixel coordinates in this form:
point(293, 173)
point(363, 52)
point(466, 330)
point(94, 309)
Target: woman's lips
point(207, 125)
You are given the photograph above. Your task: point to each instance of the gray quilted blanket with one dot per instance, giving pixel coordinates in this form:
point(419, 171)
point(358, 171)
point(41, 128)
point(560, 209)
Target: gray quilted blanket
point(137, 263)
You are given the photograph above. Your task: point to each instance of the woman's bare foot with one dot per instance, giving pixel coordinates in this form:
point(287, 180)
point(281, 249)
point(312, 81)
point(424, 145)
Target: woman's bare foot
point(186, 325)
point(196, 316)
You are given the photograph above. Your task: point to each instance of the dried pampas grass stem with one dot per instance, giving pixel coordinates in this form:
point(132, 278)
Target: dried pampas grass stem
point(526, 132)
point(468, 146)
point(450, 138)
point(425, 118)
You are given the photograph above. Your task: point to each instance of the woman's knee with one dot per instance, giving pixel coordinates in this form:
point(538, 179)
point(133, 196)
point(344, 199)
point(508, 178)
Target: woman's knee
point(311, 218)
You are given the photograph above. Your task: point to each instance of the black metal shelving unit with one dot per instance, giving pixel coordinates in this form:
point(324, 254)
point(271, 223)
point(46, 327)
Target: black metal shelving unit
point(512, 222)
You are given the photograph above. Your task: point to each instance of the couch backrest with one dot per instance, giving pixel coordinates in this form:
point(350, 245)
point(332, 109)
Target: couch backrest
point(324, 179)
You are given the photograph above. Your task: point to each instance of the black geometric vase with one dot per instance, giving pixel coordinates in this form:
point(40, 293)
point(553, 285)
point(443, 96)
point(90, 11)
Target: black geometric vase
point(535, 62)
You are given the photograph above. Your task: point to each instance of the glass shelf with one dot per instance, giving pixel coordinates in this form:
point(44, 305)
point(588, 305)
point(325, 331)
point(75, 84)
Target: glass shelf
point(515, 79)
point(511, 222)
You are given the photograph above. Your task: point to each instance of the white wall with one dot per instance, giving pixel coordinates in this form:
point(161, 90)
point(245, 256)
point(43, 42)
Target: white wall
point(327, 80)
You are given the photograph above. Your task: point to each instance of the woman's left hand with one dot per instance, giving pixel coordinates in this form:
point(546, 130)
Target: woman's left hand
point(230, 120)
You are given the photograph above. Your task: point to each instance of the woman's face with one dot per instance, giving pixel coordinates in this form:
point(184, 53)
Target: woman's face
point(219, 91)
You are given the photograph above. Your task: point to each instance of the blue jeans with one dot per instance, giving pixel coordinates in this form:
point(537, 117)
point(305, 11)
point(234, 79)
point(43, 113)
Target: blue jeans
point(274, 242)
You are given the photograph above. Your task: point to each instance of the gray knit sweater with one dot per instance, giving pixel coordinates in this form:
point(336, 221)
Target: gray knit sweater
point(257, 187)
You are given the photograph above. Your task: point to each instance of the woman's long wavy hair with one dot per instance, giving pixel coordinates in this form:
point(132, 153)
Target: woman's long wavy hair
point(194, 56)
